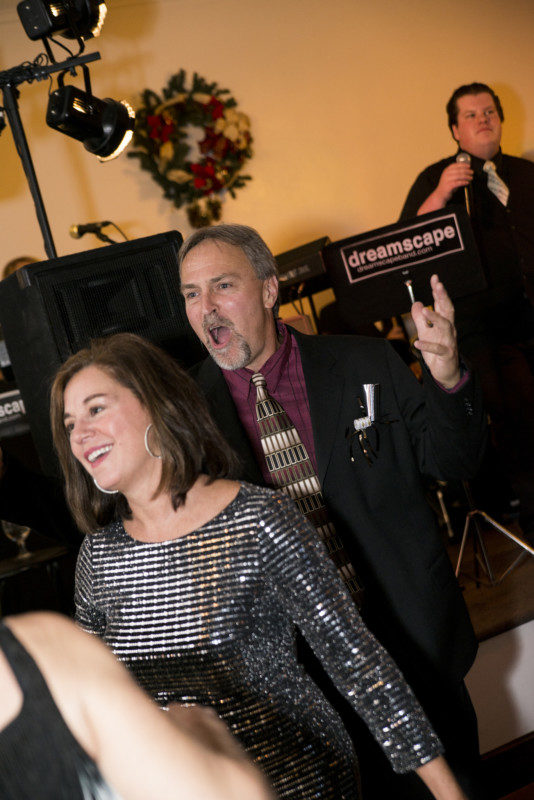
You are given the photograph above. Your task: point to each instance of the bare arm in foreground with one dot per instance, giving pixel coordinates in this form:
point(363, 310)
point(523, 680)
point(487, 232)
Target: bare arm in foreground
point(140, 750)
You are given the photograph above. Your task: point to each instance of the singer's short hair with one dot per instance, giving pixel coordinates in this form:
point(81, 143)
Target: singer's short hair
point(470, 88)
point(183, 432)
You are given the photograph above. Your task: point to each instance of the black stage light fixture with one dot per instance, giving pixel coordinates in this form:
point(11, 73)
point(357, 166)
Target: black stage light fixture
point(73, 19)
point(104, 126)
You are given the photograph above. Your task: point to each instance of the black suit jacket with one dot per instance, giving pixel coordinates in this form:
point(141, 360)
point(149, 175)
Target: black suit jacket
point(413, 602)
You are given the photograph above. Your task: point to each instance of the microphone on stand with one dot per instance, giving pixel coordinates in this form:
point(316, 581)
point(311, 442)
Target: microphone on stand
point(465, 158)
point(77, 231)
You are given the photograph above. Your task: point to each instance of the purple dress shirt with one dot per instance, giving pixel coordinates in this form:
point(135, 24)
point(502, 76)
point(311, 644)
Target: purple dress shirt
point(285, 382)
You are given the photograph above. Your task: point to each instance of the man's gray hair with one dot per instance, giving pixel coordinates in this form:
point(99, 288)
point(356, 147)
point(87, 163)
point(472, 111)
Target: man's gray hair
point(258, 254)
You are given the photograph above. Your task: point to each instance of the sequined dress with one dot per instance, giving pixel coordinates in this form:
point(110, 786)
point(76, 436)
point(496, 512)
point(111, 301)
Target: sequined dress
point(210, 618)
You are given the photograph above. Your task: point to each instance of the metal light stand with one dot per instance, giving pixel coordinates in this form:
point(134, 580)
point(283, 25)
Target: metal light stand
point(479, 548)
point(9, 80)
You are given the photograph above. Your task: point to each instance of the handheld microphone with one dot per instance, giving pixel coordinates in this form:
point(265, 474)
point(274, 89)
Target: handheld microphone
point(77, 231)
point(465, 158)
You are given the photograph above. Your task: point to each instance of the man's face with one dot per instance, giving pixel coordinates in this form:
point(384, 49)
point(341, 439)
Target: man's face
point(229, 308)
point(478, 127)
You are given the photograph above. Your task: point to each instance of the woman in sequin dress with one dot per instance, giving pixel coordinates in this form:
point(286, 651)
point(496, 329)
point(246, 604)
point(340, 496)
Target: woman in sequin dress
point(197, 582)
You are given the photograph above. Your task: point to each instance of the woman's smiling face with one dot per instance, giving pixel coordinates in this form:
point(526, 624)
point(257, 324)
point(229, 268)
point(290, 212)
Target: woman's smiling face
point(106, 424)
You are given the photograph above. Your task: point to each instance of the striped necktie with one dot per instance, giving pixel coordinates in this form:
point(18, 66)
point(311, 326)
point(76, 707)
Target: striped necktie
point(292, 471)
point(496, 183)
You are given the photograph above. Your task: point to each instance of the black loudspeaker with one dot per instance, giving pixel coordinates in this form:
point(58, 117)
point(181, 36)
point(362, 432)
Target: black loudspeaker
point(52, 309)
point(301, 271)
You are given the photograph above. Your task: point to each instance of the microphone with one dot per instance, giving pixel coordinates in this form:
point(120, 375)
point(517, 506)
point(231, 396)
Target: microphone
point(465, 158)
point(77, 231)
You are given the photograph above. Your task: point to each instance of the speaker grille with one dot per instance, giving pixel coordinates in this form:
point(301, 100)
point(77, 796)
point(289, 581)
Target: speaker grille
point(139, 293)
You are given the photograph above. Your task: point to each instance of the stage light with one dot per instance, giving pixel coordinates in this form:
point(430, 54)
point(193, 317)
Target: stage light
point(74, 19)
point(104, 126)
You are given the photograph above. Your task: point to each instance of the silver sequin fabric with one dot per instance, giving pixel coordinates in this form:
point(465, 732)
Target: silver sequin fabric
point(210, 618)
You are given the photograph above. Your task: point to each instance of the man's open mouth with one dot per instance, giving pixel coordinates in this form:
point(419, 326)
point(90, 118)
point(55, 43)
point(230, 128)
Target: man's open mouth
point(219, 335)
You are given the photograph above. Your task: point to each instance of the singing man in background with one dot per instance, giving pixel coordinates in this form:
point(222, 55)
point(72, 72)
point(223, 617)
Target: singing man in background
point(496, 325)
point(368, 472)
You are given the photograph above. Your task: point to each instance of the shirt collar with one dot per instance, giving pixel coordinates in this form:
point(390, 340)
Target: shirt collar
point(478, 163)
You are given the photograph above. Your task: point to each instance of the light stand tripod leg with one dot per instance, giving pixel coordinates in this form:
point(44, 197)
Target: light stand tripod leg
point(512, 536)
point(478, 544)
point(483, 557)
point(462, 546)
point(444, 513)
point(522, 555)
point(484, 560)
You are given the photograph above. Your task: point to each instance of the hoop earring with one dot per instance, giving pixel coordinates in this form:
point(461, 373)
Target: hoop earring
point(147, 448)
point(105, 491)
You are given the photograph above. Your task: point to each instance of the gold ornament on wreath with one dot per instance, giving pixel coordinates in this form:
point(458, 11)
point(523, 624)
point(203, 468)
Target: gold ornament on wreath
point(198, 180)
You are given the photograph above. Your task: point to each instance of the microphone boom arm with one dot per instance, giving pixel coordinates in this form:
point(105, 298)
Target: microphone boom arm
point(104, 238)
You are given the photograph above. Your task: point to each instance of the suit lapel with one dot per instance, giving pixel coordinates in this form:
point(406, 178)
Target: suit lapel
point(325, 385)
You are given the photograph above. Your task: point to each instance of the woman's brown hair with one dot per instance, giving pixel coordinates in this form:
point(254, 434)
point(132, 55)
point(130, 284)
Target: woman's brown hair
point(183, 430)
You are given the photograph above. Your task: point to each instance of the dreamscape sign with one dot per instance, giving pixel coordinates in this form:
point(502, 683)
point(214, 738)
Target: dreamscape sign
point(369, 272)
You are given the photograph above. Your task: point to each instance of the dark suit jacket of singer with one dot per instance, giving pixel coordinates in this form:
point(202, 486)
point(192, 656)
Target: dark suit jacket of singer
point(413, 602)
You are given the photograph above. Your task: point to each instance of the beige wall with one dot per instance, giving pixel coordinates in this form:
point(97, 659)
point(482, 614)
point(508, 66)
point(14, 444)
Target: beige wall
point(346, 100)
point(503, 672)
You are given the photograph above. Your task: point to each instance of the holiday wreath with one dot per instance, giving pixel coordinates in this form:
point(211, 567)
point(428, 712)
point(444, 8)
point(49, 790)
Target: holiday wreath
point(197, 180)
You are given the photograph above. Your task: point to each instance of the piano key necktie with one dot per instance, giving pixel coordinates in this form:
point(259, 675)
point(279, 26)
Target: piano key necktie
point(496, 183)
point(292, 471)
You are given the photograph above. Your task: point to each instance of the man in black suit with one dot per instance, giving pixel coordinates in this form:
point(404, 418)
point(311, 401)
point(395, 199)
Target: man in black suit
point(495, 325)
point(376, 501)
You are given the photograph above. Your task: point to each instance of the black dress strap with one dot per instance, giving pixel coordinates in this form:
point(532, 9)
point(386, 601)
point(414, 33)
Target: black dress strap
point(27, 673)
point(39, 756)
